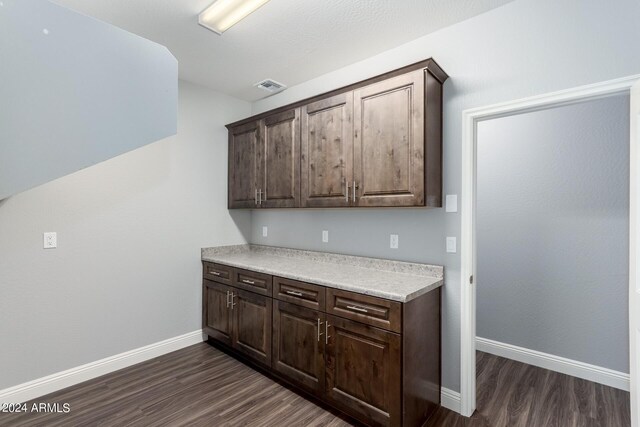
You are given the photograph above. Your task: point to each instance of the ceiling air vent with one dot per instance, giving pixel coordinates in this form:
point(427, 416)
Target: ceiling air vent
point(271, 85)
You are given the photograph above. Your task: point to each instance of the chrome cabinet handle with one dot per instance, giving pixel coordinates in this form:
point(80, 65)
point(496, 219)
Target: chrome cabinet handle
point(354, 191)
point(346, 191)
point(319, 333)
point(248, 282)
point(228, 299)
point(233, 304)
point(326, 332)
point(356, 308)
point(294, 293)
point(215, 273)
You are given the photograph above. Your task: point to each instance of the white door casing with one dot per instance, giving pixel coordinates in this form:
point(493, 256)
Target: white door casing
point(634, 260)
point(470, 119)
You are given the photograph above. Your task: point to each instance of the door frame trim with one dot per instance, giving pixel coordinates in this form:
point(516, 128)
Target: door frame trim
point(470, 120)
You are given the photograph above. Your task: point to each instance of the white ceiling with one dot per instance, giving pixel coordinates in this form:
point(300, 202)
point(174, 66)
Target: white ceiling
point(290, 41)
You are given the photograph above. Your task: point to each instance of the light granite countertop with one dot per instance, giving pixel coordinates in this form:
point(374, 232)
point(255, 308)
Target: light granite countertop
point(394, 280)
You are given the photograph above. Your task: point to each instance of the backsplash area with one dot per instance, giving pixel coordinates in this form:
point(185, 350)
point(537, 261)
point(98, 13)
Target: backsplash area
point(364, 232)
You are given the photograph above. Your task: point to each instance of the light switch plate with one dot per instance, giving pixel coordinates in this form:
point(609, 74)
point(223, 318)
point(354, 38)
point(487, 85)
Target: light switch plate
point(451, 245)
point(393, 241)
point(451, 203)
point(50, 240)
point(265, 231)
point(325, 236)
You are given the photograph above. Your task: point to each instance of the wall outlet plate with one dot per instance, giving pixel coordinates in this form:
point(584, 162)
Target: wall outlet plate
point(451, 203)
point(451, 245)
point(325, 236)
point(265, 231)
point(393, 241)
point(50, 240)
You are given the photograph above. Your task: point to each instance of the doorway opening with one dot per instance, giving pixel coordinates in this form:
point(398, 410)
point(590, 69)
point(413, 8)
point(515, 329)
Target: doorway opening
point(552, 226)
point(468, 242)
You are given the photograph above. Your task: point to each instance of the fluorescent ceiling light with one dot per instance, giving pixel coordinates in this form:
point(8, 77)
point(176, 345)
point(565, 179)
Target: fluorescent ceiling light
point(223, 14)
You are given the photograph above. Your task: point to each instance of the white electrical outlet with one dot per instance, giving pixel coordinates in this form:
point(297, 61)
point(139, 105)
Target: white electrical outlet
point(325, 236)
point(451, 203)
point(451, 245)
point(50, 240)
point(393, 241)
point(265, 231)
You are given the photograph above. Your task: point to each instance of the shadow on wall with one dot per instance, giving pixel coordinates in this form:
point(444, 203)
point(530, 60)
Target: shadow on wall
point(242, 220)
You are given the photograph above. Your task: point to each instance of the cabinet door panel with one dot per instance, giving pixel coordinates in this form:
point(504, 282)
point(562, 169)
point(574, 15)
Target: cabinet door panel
point(252, 325)
point(363, 371)
point(279, 172)
point(389, 142)
point(244, 142)
point(216, 313)
point(298, 345)
point(327, 151)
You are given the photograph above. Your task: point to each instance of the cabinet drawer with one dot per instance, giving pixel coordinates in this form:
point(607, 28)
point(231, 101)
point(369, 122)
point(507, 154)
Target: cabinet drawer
point(217, 272)
point(251, 281)
point(370, 310)
point(300, 293)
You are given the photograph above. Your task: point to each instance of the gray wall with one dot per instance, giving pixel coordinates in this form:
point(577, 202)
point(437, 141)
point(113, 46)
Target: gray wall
point(127, 269)
point(524, 48)
point(83, 93)
point(553, 231)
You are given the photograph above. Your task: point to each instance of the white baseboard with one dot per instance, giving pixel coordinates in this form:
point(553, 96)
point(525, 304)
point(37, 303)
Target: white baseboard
point(42, 386)
point(450, 399)
point(555, 363)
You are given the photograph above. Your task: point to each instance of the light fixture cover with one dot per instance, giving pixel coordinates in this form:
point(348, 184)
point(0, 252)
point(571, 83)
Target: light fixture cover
point(223, 14)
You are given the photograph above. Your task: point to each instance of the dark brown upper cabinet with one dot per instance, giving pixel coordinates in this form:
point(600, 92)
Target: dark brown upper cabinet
point(244, 144)
point(389, 142)
point(327, 151)
point(376, 143)
point(264, 162)
point(279, 167)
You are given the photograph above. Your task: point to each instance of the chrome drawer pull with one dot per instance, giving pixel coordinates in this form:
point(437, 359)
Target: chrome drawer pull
point(215, 273)
point(356, 308)
point(248, 282)
point(294, 293)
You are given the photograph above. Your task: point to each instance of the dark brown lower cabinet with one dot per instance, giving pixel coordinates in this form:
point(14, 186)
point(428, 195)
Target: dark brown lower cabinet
point(238, 319)
point(363, 371)
point(216, 313)
point(298, 345)
point(252, 325)
point(373, 359)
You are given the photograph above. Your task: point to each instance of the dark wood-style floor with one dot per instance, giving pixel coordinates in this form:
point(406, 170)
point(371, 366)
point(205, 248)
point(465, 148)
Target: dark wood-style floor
point(515, 394)
point(201, 386)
